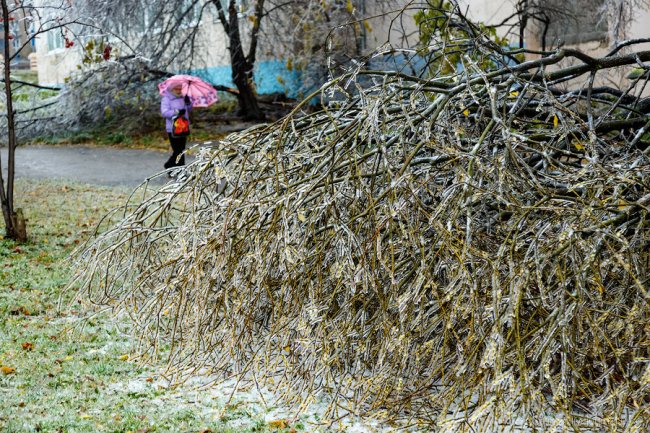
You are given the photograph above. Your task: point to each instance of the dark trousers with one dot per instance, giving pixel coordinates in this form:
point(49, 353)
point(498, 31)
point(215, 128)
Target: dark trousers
point(178, 147)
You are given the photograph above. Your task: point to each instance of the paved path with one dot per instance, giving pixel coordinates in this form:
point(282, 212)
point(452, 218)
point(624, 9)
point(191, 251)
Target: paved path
point(95, 165)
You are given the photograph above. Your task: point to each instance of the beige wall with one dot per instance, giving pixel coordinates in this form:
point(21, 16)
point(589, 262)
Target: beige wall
point(392, 25)
point(211, 44)
point(489, 12)
point(641, 28)
point(495, 11)
point(55, 66)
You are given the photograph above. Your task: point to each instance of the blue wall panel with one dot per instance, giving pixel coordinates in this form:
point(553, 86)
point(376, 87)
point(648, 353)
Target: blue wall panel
point(271, 76)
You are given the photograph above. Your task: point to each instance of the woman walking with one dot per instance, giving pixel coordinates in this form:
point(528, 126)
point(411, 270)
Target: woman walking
point(173, 105)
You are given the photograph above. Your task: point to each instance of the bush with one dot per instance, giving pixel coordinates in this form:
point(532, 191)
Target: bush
point(449, 251)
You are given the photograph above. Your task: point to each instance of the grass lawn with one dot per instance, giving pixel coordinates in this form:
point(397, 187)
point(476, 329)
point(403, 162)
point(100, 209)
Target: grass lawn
point(60, 374)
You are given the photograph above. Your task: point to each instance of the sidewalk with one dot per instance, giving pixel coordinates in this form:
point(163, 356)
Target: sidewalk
point(95, 165)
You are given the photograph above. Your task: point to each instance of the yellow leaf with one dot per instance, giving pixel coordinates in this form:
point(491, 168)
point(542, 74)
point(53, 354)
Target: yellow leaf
point(466, 112)
point(302, 217)
point(69, 358)
point(514, 94)
point(579, 146)
point(7, 370)
point(279, 424)
point(124, 358)
point(556, 121)
point(85, 416)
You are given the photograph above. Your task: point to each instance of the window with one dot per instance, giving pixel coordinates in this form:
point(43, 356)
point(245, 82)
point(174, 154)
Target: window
point(189, 17)
point(154, 17)
point(575, 21)
point(54, 40)
point(14, 30)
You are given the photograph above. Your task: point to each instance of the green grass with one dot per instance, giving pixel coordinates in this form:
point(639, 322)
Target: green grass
point(63, 374)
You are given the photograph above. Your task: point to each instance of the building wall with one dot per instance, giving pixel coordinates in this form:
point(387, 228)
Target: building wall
point(55, 65)
point(273, 75)
point(495, 11)
point(491, 12)
point(21, 34)
point(213, 63)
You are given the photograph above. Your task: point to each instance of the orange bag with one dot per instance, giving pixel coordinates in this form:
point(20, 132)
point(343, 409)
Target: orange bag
point(180, 126)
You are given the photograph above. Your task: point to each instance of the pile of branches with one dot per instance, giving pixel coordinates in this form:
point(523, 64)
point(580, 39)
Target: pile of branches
point(461, 252)
point(121, 94)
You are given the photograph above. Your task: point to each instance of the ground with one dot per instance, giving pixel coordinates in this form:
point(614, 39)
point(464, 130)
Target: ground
point(64, 370)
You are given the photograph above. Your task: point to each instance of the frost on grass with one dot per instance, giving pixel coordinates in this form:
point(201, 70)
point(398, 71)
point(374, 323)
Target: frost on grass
point(454, 252)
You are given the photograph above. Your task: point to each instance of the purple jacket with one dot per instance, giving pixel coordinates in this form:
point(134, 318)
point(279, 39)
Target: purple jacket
point(169, 105)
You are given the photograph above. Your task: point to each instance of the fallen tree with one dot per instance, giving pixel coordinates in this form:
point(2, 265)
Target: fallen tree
point(460, 252)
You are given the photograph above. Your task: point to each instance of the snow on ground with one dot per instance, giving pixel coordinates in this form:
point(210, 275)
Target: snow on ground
point(238, 405)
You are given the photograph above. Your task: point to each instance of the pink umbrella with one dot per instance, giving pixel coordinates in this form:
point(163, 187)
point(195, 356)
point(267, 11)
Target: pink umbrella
point(201, 93)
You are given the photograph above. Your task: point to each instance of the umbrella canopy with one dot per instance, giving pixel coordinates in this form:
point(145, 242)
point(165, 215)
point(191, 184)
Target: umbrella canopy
point(201, 93)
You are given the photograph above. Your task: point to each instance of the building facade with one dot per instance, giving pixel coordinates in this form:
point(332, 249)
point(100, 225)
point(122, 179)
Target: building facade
point(21, 43)
point(577, 23)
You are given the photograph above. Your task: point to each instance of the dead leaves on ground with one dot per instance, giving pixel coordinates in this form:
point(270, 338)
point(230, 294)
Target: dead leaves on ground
point(28, 346)
point(20, 311)
point(7, 370)
point(281, 424)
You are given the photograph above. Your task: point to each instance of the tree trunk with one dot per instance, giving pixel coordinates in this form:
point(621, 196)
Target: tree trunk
point(14, 221)
point(242, 68)
point(523, 22)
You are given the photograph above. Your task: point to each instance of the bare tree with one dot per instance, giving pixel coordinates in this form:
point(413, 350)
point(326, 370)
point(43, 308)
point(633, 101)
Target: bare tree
point(549, 23)
point(181, 35)
point(37, 18)
point(461, 251)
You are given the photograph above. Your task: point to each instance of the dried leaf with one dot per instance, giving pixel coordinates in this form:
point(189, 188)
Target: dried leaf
point(279, 424)
point(28, 346)
point(7, 370)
